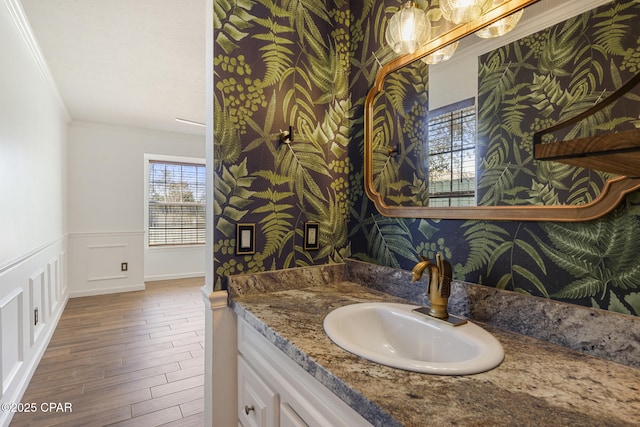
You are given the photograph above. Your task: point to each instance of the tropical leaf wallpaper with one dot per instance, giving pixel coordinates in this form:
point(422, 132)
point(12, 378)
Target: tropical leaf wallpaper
point(546, 78)
point(310, 64)
point(281, 63)
point(400, 124)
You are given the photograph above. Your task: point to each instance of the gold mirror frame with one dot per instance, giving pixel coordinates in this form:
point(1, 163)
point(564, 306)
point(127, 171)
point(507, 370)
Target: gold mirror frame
point(611, 195)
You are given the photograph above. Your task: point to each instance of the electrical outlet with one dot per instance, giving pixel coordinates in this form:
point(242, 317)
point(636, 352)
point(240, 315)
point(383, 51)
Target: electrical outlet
point(35, 317)
point(124, 266)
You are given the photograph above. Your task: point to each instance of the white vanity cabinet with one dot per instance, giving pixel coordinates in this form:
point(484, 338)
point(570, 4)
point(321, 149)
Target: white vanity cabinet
point(274, 391)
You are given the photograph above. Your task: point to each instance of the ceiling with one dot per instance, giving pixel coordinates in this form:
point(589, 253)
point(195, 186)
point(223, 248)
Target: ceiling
point(138, 63)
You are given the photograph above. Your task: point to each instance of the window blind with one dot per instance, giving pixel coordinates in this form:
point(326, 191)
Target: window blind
point(452, 156)
point(176, 203)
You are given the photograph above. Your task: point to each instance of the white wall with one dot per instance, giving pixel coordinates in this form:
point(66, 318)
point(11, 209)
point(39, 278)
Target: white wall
point(32, 205)
point(106, 209)
point(32, 144)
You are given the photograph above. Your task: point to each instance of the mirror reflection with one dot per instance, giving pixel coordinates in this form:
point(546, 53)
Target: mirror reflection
point(458, 133)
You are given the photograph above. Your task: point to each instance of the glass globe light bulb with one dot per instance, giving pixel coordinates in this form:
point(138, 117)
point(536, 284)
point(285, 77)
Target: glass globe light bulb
point(501, 26)
point(440, 55)
point(463, 11)
point(408, 29)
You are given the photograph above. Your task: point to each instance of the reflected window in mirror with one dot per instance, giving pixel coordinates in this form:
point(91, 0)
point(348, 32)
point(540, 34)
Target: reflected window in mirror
point(451, 155)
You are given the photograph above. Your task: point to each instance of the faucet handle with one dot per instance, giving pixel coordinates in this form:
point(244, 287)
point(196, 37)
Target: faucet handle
point(416, 273)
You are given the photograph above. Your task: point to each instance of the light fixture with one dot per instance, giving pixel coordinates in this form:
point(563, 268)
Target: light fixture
point(408, 29)
point(501, 26)
point(440, 55)
point(463, 11)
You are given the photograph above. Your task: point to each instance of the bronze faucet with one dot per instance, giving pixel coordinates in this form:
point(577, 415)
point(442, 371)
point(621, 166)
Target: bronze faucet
point(439, 286)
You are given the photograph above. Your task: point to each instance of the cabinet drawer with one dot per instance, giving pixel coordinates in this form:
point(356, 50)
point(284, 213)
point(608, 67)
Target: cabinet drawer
point(289, 417)
point(257, 402)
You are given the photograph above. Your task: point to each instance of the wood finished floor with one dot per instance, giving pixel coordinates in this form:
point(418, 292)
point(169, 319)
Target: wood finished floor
point(129, 359)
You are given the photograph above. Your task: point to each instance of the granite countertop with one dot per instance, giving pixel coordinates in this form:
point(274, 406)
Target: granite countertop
point(538, 383)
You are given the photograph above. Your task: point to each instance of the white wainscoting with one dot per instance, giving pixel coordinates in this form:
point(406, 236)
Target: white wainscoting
point(36, 305)
point(11, 326)
point(95, 263)
point(55, 289)
point(36, 280)
point(174, 262)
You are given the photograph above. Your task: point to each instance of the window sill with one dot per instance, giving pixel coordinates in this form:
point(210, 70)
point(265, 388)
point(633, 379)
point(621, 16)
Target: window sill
point(175, 247)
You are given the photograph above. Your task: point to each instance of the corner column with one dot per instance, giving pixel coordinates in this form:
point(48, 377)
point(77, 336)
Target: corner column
point(220, 369)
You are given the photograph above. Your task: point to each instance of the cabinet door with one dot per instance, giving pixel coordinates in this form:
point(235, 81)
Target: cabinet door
point(303, 401)
point(257, 403)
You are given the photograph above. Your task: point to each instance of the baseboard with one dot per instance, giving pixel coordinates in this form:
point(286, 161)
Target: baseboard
point(104, 291)
point(159, 277)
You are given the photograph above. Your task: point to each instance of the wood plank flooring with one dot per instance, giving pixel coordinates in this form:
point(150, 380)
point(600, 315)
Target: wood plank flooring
point(129, 359)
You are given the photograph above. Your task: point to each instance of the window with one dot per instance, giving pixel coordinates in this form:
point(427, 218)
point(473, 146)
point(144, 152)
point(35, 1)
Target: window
point(452, 155)
point(176, 203)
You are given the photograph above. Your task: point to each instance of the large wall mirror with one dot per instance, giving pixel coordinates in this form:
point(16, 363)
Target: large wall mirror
point(454, 139)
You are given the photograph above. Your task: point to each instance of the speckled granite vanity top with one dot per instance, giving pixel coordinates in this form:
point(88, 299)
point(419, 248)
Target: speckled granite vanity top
point(538, 383)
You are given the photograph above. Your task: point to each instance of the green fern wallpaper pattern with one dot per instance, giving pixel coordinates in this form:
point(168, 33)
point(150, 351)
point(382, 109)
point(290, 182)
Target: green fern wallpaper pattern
point(546, 78)
point(310, 64)
point(277, 64)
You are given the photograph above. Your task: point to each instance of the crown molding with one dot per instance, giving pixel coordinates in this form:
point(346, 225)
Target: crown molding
point(17, 14)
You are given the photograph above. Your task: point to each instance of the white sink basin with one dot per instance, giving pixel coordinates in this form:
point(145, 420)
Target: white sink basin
point(393, 335)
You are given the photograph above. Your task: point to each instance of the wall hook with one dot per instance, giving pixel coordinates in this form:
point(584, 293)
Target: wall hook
point(286, 137)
